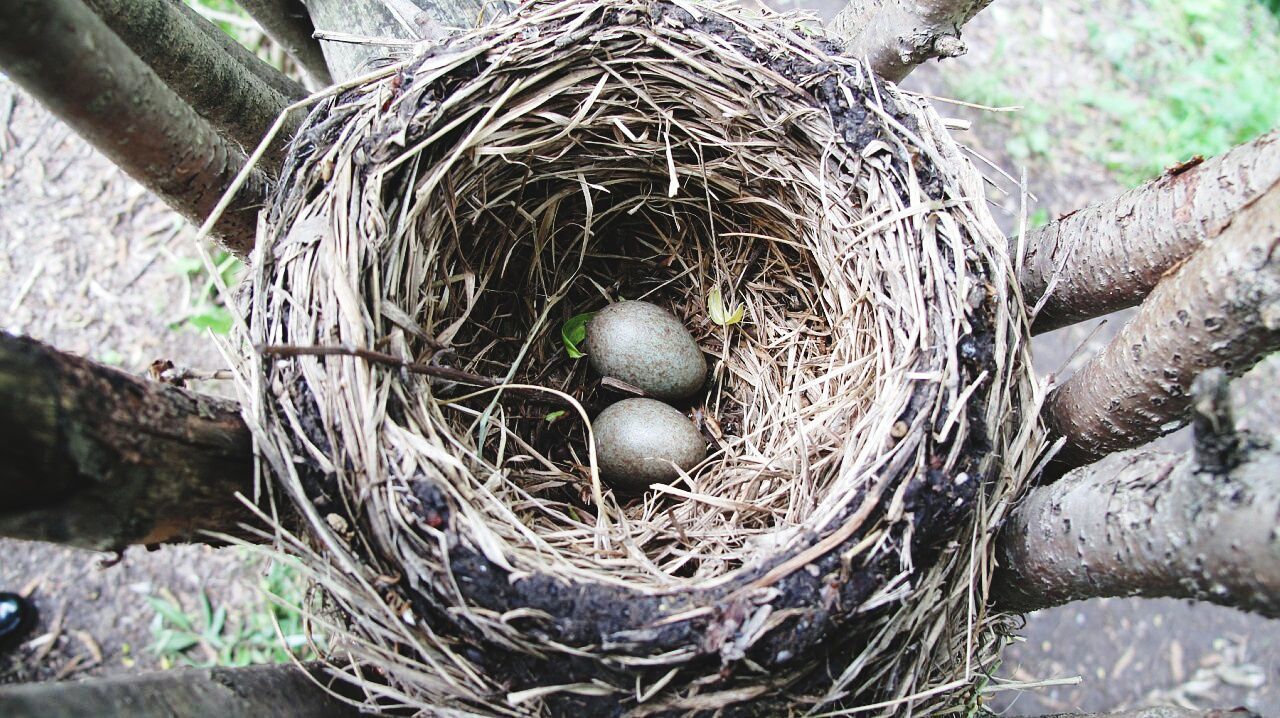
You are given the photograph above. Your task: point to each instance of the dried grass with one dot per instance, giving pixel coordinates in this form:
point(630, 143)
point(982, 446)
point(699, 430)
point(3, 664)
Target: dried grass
point(870, 417)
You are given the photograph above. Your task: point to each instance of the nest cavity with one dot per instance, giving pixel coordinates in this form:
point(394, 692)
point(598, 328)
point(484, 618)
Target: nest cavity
point(823, 239)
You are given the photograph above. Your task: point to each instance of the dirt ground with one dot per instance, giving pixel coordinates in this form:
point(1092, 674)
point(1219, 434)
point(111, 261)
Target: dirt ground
point(92, 264)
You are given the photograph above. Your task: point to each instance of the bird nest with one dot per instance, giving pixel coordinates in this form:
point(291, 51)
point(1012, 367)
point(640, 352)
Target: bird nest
point(868, 411)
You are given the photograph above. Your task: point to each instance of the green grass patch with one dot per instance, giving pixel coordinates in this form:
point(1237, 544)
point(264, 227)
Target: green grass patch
point(1195, 77)
point(1179, 78)
point(207, 311)
point(206, 635)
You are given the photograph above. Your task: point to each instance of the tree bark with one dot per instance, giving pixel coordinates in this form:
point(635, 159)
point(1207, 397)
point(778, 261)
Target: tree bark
point(278, 81)
point(1219, 309)
point(896, 35)
point(287, 23)
point(1203, 526)
point(247, 692)
point(1110, 255)
point(425, 20)
point(97, 458)
point(221, 88)
point(62, 53)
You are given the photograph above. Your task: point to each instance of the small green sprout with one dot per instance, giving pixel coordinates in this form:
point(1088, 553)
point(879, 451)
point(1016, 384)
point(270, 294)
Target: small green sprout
point(573, 332)
point(721, 316)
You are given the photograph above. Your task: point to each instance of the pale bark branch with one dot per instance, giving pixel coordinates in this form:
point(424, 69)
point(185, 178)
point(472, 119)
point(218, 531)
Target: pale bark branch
point(217, 85)
point(1110, 255)
point(287, 23)
point(426, 20)
point(98, 458)
point(65, 56)
point(1219, 309)
point(1202, 526)
point(277, 690)
point(897, 35)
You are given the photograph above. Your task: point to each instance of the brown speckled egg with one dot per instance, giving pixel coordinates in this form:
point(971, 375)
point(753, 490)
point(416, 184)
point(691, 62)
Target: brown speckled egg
point(638, 440)
point(647, 347)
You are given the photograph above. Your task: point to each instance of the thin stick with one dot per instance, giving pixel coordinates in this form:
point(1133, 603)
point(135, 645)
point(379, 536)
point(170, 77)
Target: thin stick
point(444, 373)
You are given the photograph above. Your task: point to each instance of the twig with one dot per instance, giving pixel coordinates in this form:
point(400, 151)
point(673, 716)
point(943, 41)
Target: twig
point(444, 373)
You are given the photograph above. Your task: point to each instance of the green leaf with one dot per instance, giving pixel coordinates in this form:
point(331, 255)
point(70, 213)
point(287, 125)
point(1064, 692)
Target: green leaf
point(555, 415)
point(173, 614)
point(572, 332)
point(214, 318)
point(176, 643)
point(721, 316)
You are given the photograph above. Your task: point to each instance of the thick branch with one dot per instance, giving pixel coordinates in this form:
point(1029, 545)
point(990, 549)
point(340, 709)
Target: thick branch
point(367, 22)
point(897, 35)
point(73, 63)
point(1220, 309)
point(289, 26)
point(98, 458)
point(221, 88)
point(1144, 523)
point(1110, 255)
point(280, 690)
point(278, 81)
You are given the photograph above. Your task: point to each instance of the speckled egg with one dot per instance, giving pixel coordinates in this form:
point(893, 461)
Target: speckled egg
point(639, 440)
point(647, 347)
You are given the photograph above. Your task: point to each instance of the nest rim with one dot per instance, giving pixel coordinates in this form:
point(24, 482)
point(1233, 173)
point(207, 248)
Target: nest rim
point(621, 623)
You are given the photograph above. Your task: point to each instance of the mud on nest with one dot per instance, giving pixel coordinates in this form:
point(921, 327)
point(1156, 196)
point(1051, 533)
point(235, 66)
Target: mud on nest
point(864, 417)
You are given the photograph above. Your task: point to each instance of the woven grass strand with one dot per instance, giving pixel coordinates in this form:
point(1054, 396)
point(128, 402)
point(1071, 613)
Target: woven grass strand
point(869, 418)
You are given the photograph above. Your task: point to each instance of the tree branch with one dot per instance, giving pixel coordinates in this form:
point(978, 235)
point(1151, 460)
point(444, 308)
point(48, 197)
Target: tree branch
point(278, 81)
point(897, 35)
point(289, 26)
point(62, 53)
point(218, 86)
point(426, 20)
point(1220, 309)
point(1110, 255)
point(1203, 526)
point(276, 690)
point(98, 458)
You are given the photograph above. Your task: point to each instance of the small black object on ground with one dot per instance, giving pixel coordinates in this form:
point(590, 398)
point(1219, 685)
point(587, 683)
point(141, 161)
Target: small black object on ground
point(17, 617)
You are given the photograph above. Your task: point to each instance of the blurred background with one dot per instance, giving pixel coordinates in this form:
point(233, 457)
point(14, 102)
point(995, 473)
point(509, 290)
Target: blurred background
point(1091, 98)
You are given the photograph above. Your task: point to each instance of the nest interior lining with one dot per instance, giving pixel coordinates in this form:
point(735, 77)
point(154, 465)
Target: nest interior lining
point(459, 211)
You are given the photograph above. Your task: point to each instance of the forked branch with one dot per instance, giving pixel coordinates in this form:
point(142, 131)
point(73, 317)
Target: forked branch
point(62, 53)
point(1219, 309)
point(1110, 255)
point(897, 35)
point(228, 92)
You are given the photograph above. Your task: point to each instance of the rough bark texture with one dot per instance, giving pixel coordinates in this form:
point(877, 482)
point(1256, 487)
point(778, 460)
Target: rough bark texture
point(222, 89)
point(897, 35)
point(426, 20)
point(62, 53)
point(248, 692)
point(278, 81)
point(98, 458)
point(1110, 255)
point(289, 26)
point(1219, 309)
point(1145, 523)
